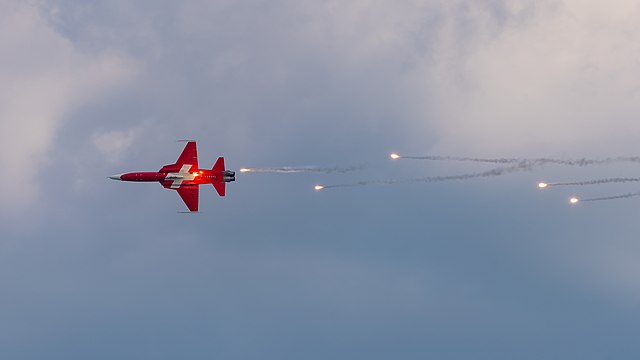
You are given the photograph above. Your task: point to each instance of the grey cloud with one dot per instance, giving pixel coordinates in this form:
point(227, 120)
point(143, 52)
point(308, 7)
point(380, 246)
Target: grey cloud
point(44, 79)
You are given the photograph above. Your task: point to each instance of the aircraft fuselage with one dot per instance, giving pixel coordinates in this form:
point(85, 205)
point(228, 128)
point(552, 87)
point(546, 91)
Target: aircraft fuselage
point(199, 177)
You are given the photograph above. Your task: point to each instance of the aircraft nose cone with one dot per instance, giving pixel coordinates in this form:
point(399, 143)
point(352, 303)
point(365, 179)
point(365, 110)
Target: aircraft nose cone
point(116, 177)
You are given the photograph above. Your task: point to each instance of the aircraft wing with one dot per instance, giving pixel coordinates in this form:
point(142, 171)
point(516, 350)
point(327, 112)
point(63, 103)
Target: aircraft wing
point(189, 195)
point(189, 156)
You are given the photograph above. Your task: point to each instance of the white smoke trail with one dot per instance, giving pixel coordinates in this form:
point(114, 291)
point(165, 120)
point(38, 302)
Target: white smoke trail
point(302, 169)
point(431, 179)
point(593, 182)
point(615, 197)
point(528, 161)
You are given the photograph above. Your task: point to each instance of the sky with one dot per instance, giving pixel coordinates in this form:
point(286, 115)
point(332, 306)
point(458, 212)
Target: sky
point(485, 268)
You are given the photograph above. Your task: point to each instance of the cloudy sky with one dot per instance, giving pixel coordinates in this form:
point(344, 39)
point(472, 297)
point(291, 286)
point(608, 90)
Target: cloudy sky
point(488, 268)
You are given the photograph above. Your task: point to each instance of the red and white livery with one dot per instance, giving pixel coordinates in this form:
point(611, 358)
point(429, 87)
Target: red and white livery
point(185, 176)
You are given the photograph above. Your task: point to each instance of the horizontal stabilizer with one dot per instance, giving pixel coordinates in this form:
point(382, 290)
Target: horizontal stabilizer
point(220, 187)
point(219, 165)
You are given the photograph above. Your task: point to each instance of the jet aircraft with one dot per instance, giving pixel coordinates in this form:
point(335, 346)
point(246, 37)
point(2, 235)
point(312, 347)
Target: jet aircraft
point(185, 177)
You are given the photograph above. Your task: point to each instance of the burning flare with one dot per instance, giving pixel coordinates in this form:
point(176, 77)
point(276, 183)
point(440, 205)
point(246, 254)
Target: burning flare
point(542, 185)
point(574, 200)
point(318, 187)
point(394, 156)
point(245, 170)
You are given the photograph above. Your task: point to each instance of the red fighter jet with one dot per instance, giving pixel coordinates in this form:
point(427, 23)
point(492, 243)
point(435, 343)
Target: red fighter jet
point(185, 177)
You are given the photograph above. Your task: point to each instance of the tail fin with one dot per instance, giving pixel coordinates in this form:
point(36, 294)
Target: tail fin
point(219, 165)
point(220, 187)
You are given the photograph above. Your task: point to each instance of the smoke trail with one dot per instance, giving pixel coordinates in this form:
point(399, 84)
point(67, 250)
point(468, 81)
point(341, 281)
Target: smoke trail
point(303, 169)
point(431, 179)
point(615, 197)
point(593, 182)
point(528, 161)
point(455, 158)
